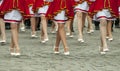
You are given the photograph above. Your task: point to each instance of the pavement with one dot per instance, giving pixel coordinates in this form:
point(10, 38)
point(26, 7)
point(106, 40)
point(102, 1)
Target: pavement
point(36, 56)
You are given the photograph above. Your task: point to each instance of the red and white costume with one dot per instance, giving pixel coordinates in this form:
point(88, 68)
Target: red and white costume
point(14, 10)
point(41, 7)
point(119, 6)
point(61, 10)
point(1, 15)
point(104, 9)
point(82, 5)
point(30, 4)
point(1, 1)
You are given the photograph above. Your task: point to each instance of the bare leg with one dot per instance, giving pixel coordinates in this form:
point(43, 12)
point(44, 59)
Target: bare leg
point(12, 48)
point(2, 28)
point(90, 27)
point(103, 24)
point(44, 27)
point(83, 20)
point(80, 26)
point(42, 36)
point(109, 31)
point(33, 27)
point(71, 26)
point(61, 31)
point(14, 32)
point(68, 27)
point(56, 25)
point(57, 43)
point(22, 26)
point(37, 23)
point(53, 27)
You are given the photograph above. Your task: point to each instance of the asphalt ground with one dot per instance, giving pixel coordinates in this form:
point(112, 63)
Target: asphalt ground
point(36, 56)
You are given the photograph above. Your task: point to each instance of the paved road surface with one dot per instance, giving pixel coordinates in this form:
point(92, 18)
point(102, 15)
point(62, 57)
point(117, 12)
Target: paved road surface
point(40, 57)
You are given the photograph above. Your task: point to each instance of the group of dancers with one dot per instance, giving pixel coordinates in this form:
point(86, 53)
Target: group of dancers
point(59, 12)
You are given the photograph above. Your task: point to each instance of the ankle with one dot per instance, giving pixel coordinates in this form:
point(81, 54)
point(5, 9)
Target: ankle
point(11, 50)
point(66, 49)
point(56, 49)
point(17, 50)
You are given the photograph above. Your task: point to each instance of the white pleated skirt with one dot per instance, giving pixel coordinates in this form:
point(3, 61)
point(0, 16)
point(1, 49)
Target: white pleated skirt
point(43, 10)
point(31, 12)
point(13, 16)
point(60, 17)
point(84, 7)
point(104, 14)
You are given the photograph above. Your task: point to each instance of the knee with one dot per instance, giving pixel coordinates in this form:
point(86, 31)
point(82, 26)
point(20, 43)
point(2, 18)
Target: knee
point(43, 18)
point(103, 22)
point(78, 14)
point(13, 26)
point(61, 26)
